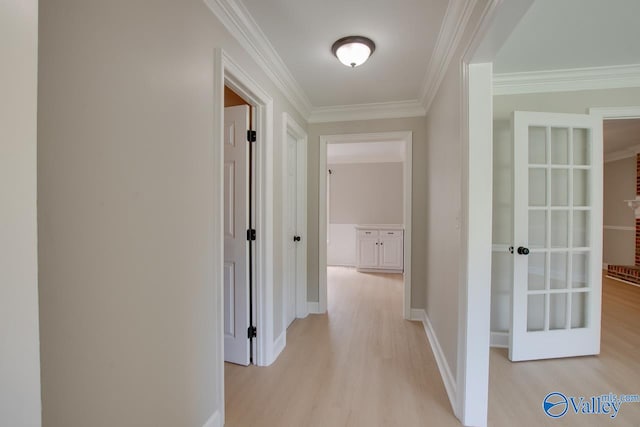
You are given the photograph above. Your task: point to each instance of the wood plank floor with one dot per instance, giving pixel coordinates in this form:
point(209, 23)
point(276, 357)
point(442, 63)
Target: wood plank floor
point(516, 390)
point(359, 365)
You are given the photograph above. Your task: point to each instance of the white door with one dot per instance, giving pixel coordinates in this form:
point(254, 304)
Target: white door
point(557, 247)
point(236, 249)
point(292, 237)
point(391, 249)
point(367, 249)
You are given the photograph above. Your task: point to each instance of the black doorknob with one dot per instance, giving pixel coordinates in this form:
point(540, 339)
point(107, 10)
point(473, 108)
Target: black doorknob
point(296, 238)
point(523, 251)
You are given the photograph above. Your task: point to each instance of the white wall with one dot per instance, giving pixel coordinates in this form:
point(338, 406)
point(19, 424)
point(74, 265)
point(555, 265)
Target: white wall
point(619, 245)
point(419, 201)
point(19, 341)
point(129, 329)
point(559, 102)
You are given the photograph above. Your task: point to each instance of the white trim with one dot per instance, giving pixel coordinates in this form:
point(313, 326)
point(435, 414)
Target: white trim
point(605, 266)
point(613, 113)
point(420, 315)
point(405, 137)
point(613, 77)
point(372, 111)
point(214, 420)
point(623, 281)
point(239, 22)
point(618, 228)
point(454, 24)
point(500, 339)
point(290, 126)
point(313, 308)
point(622, 154)
point(279, 344)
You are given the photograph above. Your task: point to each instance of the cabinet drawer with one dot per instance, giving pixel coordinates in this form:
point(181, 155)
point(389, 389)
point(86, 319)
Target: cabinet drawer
point(367, 233)
point(390, 233)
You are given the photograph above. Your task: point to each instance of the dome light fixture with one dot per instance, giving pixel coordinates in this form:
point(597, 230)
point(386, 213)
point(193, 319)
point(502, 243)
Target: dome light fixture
point(353, 50)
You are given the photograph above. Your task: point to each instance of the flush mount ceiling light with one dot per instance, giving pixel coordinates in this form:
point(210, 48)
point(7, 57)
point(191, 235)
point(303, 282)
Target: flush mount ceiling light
point(353, 50)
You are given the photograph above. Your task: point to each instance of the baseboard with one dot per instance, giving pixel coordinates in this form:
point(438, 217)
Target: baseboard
point(500, 339)
point(336, 264)
point(445, 372)
point(214, 420)
point(314, 307)
point(279, 344)
point(617, 279)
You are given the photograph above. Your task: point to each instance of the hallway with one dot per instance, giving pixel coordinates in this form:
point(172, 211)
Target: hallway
point(359, 365)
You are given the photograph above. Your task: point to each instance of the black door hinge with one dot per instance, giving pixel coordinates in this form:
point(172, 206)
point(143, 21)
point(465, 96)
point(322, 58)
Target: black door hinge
point(251, 234)
point(252, 332)
point(251, 135)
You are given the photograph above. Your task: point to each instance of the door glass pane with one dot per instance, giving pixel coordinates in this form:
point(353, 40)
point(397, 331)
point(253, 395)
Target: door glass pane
point(558, 270)
point(537, 145)
point(581, 150)
point(535, 313)
point(537, 187)
point(559, 187)
point(537, 229)
point(581, 187)
point(559, 229)
point(537, 270)
point(580, 229)
point(558, 311)
point(580, 270)
point(559, 146)
point(579, 310)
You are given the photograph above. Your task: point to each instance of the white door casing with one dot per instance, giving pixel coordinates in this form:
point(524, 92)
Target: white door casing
point(556, 298)
point(236, 217)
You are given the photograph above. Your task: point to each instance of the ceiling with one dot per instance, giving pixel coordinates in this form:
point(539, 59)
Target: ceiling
point(621, 135)
point(302, 32)
point(567, 34)
point(366, 152)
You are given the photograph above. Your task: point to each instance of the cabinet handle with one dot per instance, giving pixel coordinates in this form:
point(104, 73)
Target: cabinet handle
point(389, 232)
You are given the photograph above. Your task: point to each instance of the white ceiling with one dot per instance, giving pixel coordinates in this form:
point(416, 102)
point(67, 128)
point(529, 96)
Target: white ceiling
point(621, 135)
point(366, 152)
point(569, 34)
point(302, 32)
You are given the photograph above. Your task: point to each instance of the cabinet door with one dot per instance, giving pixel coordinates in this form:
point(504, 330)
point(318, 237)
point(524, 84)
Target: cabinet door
point(368, 249)
point(391, 255)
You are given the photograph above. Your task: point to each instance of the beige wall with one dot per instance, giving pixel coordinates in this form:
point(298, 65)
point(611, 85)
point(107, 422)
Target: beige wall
point(129, 331)
point(619, 185)
point(417, 126)
point(366, 193)
point(19, 340)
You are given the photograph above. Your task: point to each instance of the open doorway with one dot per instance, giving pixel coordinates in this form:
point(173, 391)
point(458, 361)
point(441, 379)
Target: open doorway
point(365, 209)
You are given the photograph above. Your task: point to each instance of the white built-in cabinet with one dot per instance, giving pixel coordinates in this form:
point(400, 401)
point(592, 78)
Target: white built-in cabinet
point(380, 248)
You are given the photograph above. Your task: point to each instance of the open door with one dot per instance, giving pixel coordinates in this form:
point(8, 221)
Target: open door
point(237, 343)
point(557, 251)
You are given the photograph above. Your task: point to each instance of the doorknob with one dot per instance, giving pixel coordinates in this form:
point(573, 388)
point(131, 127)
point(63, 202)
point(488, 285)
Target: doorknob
point(296, 238)
point(523, 251)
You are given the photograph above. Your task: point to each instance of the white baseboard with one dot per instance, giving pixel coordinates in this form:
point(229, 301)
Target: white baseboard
point(445, 372)
point(500, 339)
point(278, 345)
point(335, 264)
point(314, 307)
point(214, 420)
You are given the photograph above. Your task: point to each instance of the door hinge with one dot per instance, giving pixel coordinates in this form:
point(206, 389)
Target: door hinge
point(252, 332)
point(251, 234)
point(251, 135)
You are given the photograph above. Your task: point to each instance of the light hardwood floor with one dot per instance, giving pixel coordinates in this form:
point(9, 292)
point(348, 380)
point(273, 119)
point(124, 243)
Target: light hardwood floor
point(359, 365)
point(516, 390)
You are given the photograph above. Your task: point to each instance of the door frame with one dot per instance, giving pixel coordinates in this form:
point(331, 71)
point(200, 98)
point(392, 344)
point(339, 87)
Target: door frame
point(291, 127)
point(226, 71)
point(405, 137)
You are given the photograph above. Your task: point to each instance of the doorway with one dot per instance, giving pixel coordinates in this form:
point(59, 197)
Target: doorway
point(398, 139)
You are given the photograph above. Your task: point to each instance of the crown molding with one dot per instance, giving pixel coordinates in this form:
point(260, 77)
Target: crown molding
point(239, 22)
point(453, 27)
point(622, 154)
point(614, 77)
point(373, 111)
